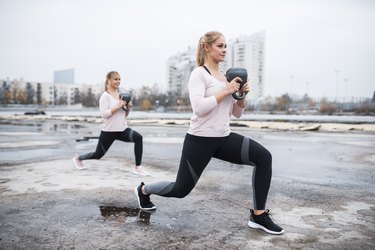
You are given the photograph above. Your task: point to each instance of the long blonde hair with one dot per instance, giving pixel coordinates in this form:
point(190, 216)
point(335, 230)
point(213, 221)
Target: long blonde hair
point(108, 76)
point(206, 41)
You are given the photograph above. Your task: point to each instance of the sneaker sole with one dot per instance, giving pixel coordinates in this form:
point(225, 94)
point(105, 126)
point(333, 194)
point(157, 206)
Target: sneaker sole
point(139, 201)
point(78, 167)
point(257, 226)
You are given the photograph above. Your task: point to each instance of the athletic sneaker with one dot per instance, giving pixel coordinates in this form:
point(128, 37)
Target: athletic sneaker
point(264, 222)
point(139, 170)
point(78, 163)
point(143, 199)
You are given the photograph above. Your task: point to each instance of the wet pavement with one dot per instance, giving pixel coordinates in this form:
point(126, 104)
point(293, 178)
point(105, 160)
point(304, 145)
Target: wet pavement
point(322, 192)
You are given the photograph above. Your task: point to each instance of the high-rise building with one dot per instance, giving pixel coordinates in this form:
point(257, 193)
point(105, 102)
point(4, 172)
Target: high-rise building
point(179, 68)
point(248, 52)
point(63, 76)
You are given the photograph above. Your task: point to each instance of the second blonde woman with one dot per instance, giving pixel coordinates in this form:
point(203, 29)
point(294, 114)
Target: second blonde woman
point(114, 126)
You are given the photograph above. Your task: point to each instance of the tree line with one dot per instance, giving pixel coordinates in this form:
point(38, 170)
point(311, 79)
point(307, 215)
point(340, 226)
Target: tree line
point(171, 101)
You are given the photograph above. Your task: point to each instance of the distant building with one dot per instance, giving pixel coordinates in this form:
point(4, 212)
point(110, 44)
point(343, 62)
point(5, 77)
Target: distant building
point(63, 76)
point(179, 68)
point(248, 52)
point(244, 51)
point(48, 93)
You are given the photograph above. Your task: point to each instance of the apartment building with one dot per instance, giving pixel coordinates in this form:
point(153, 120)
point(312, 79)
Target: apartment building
point(179, 68)
point(248, 52)
point(46, 93)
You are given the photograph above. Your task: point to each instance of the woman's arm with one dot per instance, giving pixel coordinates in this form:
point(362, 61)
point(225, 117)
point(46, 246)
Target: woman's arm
point(129, 106)
point(239, 106)
point(197, 89)
point(105, 107)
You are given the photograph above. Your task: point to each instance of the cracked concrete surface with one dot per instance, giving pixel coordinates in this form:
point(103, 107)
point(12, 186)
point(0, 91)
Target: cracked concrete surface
point(322, 192)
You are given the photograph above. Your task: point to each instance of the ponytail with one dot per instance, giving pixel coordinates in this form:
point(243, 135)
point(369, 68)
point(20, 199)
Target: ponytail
point(201, 53)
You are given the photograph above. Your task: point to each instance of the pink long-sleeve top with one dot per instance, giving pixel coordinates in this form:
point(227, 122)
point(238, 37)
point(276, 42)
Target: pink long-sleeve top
point(210, 119)
point(112, 122)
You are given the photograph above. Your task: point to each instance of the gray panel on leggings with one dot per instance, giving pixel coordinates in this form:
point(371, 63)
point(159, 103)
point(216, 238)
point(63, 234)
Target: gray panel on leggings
point(131, 135)
point(193, 174)
point(161, 187)
point(245, 151)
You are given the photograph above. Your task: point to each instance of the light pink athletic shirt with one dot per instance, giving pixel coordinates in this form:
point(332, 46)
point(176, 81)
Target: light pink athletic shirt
point(112, 122)
point(209, 118)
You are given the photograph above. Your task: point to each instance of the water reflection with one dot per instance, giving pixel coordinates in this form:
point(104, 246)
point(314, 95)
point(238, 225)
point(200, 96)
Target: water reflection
point(121, 213)
point(49, 127)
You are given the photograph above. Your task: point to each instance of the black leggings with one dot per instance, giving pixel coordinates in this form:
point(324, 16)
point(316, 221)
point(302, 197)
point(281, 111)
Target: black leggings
point(107, 138)
point(196, 154)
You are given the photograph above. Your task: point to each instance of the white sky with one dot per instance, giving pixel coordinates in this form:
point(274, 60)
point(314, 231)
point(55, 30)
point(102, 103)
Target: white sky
point(308, 39)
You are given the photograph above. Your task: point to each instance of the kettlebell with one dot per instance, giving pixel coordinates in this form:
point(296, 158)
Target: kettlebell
point(233, 73)
point(125, 97)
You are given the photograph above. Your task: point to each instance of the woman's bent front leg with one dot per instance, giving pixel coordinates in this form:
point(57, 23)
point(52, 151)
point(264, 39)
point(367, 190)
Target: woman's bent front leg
point(196, 154)
point(239, 149)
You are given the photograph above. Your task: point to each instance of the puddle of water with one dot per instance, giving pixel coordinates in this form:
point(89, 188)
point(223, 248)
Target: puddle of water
point(114, 213)
point(50, 127)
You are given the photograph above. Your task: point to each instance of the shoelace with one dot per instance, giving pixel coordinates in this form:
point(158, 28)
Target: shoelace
point(267, 214)
point(264, 216)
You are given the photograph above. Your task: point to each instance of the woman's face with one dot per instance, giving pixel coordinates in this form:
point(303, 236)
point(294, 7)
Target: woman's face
point(114, 81)
point(218, 50)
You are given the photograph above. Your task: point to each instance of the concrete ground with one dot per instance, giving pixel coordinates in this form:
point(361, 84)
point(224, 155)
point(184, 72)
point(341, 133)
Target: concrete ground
point(322, 192)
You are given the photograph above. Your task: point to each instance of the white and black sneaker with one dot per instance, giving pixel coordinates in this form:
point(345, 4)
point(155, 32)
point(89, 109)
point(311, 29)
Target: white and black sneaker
point(143, 200)
point(264, 222)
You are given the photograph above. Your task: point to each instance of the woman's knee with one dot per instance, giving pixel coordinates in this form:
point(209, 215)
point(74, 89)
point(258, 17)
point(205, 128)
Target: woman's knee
point(140, 138)
point(267, 155)
point(137, 137)
point(98, 156)
point(181, 192)
point(262, 156)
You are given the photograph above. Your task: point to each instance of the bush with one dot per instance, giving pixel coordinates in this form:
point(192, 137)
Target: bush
point(365, 108)
point(327, 108)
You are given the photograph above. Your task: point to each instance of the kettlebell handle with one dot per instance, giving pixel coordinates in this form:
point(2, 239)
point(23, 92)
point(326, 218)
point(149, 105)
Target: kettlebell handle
point(237, 72)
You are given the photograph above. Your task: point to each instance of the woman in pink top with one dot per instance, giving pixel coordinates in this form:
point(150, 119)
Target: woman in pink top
point(114, 125)
point(209, 135)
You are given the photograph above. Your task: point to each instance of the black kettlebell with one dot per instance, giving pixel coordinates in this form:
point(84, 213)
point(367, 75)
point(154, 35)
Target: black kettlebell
point(233, 73)
point(125, 97)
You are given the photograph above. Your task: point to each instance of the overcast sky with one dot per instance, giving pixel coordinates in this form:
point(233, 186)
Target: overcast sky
point(307, 41)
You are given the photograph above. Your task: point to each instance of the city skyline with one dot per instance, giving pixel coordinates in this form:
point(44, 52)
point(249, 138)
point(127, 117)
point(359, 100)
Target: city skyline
point(323, 48)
